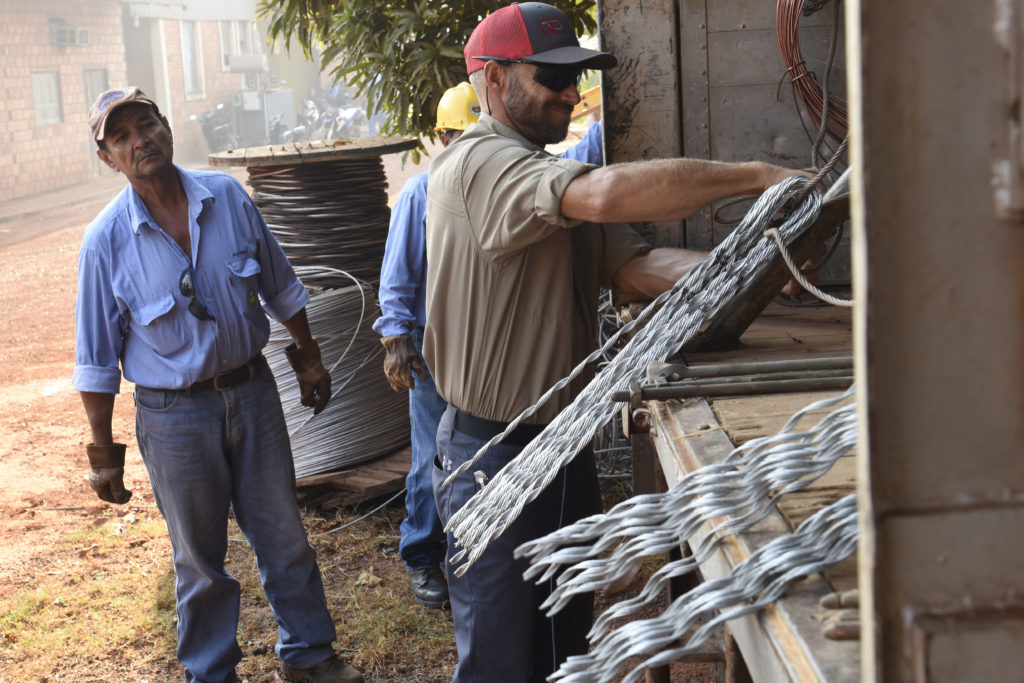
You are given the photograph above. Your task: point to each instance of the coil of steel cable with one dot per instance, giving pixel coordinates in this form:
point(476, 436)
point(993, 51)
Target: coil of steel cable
point(806, 87)
point(365, 418)
point(328, 213)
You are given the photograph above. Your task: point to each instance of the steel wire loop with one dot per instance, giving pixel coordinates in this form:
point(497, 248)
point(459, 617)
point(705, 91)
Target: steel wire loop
point(827, 537)
point(743, 490)
point(365, 419)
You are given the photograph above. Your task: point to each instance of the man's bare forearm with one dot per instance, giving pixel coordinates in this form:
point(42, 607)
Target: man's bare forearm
point(663, 189)
point(647, 275)
point(99, 409)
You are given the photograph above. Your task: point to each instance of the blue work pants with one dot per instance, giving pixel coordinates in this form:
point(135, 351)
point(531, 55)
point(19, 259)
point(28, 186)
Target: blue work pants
point(210, 451)
point(422, 544)
point(500, 633)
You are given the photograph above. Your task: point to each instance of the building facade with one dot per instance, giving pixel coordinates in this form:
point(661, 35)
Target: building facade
point(58, 55)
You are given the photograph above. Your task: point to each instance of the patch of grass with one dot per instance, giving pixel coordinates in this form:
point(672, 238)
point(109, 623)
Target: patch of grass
point(381, 630)
point(396, 633)
point(97, 605)
point(107, 610)
point(20, 613)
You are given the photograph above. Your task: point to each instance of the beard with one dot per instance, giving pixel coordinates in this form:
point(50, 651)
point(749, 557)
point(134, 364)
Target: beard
point(531, 117)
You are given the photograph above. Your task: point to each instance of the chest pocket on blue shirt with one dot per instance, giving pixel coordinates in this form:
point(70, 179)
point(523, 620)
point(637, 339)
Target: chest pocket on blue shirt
point(244, 284)
point(159, 327)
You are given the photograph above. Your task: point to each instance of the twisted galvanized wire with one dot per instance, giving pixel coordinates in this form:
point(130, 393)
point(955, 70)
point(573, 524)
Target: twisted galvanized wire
point(677, 316)
point(743, 489)
point(365, 419)
point(822, 540)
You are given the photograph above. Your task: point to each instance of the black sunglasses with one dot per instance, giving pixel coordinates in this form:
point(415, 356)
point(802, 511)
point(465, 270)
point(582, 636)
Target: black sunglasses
point(552, 77)
point(188, 289)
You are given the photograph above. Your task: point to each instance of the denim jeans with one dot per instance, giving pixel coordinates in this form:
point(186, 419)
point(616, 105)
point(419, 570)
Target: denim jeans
point(500, 633)
point(423, 539)
point(209, 451)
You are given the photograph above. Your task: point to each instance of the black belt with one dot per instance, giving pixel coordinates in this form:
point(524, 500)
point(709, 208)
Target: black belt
point(482, 429)
point(231, 378)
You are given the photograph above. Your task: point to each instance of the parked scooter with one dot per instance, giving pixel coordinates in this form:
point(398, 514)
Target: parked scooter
point(310, 116)
point(353, 123)
point(348, 122)
point(279, 132)
point(217, 129)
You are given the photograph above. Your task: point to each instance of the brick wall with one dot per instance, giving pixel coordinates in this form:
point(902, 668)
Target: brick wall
point(34, 156)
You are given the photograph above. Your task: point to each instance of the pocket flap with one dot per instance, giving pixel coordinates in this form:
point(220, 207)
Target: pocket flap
point(150, 311)
point(245, 266)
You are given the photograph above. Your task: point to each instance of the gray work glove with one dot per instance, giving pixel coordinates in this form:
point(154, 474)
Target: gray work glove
point(401, 361)
point(314, 380)
point(106, 476)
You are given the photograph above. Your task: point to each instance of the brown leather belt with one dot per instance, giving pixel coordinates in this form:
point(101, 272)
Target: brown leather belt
point(231, 378)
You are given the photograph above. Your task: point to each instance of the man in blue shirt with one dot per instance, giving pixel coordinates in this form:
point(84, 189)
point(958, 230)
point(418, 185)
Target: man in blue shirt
point(403, 315)
point(176, 277)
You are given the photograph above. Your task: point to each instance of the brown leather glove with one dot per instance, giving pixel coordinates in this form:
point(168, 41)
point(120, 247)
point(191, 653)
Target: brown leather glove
point(107, 474)
point(401, 361)
point(314, 380)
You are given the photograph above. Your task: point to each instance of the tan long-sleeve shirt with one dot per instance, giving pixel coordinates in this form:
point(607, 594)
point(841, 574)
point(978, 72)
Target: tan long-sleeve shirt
point(512, 285)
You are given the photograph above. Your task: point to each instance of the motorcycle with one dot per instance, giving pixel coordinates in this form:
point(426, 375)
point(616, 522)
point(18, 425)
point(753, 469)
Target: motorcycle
point(279, 133)
point(217, 129)
point(309, 115)
point(349, 122)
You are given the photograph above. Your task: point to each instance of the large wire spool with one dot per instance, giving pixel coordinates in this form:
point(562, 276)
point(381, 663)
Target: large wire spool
point(365, 418)
point(328, 213)
point(325, 201)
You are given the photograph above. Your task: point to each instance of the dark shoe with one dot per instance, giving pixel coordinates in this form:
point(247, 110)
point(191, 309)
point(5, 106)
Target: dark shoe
point(429, 587)
point(331, 670)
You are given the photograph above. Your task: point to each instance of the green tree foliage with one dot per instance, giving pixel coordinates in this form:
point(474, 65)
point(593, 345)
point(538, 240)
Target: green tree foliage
point(415, 48)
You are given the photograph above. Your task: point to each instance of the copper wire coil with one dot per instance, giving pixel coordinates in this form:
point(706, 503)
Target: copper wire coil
point(806, 88)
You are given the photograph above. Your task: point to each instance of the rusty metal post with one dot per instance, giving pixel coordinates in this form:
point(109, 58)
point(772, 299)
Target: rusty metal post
point(647, 475)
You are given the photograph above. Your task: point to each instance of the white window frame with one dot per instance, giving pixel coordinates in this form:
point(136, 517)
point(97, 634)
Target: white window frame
point(233, 33)
point(46, 97)
point(244, 30)
point(226, 29)
point(191, 31)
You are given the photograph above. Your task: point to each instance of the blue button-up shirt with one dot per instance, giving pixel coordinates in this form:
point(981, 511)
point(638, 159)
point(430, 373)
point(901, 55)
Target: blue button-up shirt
point(589, 150)
point(131, 314)
point(403, 273)
point(404, 269)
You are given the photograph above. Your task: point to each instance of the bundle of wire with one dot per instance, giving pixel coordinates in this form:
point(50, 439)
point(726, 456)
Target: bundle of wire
point(818, 103)
point(328, 213)
point(365, 418)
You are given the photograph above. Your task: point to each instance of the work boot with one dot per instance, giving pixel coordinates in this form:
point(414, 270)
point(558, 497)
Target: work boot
point(331, 670)
point(429, 587)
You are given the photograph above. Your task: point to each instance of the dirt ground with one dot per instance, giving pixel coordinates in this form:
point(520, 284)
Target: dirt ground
point(43, 428)
point(44, 499)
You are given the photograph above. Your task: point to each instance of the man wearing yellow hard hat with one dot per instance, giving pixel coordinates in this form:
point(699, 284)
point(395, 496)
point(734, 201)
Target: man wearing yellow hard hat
point(403, 280)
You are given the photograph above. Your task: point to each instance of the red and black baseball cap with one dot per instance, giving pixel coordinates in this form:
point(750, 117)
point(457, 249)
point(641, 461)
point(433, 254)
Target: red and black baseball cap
point(533, 32)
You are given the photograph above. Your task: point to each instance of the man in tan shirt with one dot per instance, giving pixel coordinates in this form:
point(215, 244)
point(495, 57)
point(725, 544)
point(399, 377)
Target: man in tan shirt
point(518, 244)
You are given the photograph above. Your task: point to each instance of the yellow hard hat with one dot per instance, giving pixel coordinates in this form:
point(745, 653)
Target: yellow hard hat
point(458, 109)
